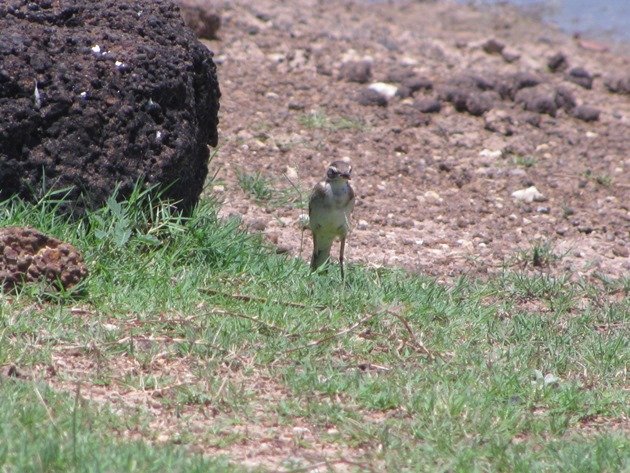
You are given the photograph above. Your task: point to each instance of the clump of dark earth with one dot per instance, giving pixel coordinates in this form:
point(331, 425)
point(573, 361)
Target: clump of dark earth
point(499, 121)
point(581, 77)
point(99, 94)
point(356, 71)
point(27, 255)
point(557, 62)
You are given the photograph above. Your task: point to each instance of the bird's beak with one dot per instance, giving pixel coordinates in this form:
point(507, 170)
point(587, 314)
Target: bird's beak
point(345, 176)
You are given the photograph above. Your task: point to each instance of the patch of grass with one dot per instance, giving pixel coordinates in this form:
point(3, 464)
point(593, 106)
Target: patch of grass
point(198, 336)
point(540, 255)
point(604, 180)
point(524, 161)
point(265, 190)
point(319, 120)
point(55, 432)
point(256, 185)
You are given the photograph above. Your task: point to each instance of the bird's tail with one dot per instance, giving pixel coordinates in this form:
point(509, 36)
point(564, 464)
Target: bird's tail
point(321, 253)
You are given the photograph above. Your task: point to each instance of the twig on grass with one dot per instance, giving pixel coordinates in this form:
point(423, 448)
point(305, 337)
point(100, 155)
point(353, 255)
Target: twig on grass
point(334, 335)
point(246, 298)
point(418, 344)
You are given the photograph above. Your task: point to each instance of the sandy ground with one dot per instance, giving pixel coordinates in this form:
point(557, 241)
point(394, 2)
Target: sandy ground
point(434, 189)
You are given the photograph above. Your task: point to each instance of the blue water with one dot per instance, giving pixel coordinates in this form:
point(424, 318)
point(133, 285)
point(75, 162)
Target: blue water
point(606, 19)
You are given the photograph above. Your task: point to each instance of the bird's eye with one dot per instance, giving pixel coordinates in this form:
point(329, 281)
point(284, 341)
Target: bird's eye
point(332, 173)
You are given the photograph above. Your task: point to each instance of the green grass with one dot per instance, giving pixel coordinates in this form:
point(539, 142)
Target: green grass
point(191, 336)
point(524, 161)
point(319, 120)
point(266, 190)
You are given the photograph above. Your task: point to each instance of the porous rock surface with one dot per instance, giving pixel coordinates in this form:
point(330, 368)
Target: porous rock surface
point(27, 255)
point(98, 93)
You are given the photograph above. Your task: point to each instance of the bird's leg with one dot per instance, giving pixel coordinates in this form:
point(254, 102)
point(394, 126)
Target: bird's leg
point(341, 249)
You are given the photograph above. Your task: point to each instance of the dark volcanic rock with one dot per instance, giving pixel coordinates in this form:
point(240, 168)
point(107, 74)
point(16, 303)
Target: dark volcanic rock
point(479, 103)
point(199, 17)
point(586, 113)
point(557, 62)
point(428, 105)
point(539, 99)
point(371, 97)
point(27, 255)
point(618, 84)
point(356, 71)
point(565, 99)
point(415, 83)
point(508, 86)
point(470, 93)
point(95, 94)
point(581, 77)
point(492, 46)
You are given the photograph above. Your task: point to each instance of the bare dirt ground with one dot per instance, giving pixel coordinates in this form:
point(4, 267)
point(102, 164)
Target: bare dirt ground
point(434, 189)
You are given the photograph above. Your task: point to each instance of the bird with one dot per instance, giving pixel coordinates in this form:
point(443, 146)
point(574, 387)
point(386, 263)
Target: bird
point(330, 208)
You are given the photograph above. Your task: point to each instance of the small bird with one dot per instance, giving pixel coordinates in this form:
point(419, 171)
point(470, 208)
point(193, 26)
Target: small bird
point(329, 210)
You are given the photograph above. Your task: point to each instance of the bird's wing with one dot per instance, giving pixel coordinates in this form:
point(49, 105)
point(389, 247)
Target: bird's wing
point(317, 196)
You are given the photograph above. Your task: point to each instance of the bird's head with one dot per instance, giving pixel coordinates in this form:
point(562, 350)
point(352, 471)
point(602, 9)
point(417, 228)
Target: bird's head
point(339, 170)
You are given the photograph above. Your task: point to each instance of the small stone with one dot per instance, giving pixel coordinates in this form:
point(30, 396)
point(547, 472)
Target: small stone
point(562, 230)
point(586, 113)
point(489, 153)
point(581, 77)
point(543, 210)
point(296, 106)
point(586, 229)
point(362, 225)
point(218, 189)
point(528, 195)
point(621, 251)
point(492, 46)
point(433, 197)
point(510, 55)
point(383, 88)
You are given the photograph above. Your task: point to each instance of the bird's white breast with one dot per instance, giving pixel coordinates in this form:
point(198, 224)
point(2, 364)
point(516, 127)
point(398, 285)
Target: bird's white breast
point(331, 213)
